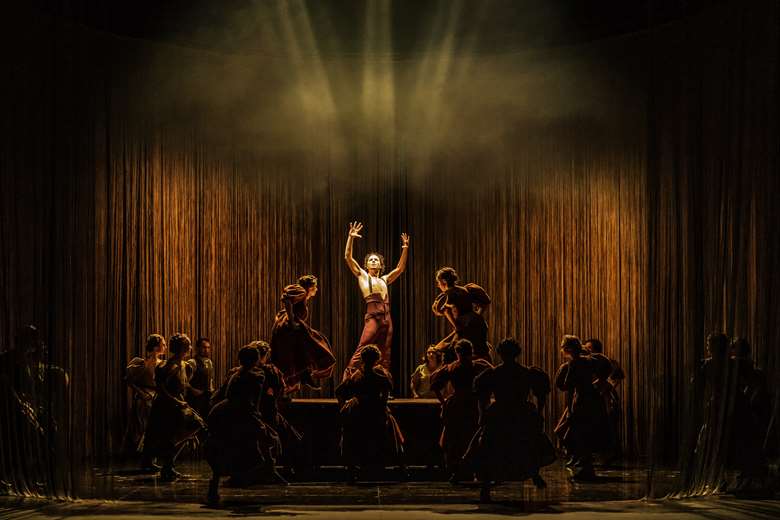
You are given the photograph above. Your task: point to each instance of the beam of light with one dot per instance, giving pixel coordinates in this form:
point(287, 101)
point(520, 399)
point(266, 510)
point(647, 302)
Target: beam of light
point(442, 71)
point(378, 88)
point(311, 85)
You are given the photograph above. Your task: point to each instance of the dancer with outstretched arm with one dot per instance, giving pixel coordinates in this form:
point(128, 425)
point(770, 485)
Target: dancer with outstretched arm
point(378, 324)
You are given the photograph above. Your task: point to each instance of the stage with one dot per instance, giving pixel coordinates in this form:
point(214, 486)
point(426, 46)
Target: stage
point(425, 486)
point(29, 509)
point(321, 480)
point(526, 171)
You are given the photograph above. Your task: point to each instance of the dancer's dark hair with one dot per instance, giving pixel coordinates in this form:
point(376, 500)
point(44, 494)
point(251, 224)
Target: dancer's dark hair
point(463, 347)
point(370, 355)
point(508, 348)
point(448, 275)
point(571, 344)
point(248, 356)
point(153, 341)
point(308, 280)
point(263, 347)
point(595, 345)
point(178, 343)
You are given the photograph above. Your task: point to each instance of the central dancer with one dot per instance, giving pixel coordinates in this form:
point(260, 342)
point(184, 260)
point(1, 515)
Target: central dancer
point(378, 325)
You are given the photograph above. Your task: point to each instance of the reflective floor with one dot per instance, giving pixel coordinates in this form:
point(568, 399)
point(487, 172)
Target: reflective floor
point(700, 509)
point(424, 487)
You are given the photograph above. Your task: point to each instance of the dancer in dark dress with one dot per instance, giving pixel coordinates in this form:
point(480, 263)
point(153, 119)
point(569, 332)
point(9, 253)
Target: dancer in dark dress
point(460, 410)
point(201, 386)
point(33, 416)
point(462, 306)
point(378, 324)
point(612, 450)
point(370, 434)
point(713, 389)
point(240, 443)
point(172, 421)
point(302, 353)
point(140, 379)
point(752, 410)
point(584, 425)
point(511, 444)
point(275, 390)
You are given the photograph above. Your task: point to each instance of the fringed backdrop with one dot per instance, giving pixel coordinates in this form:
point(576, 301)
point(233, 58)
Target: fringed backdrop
point(130, 206)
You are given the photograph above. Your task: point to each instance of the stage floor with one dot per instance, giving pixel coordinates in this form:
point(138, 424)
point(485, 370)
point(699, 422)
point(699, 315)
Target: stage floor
point(695, 509)
point(125, 483)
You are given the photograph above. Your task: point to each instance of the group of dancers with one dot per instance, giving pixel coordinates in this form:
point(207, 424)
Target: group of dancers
point(491, 414)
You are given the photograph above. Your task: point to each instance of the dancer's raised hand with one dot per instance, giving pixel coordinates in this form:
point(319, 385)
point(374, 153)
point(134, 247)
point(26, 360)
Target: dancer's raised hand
point(354, 229)
point(404, 240)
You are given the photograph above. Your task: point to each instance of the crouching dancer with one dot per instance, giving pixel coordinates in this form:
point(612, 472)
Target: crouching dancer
point(240, 444)
point(171, 420)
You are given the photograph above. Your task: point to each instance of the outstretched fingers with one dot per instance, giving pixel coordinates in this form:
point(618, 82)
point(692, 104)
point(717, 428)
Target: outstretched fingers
point(354, 229)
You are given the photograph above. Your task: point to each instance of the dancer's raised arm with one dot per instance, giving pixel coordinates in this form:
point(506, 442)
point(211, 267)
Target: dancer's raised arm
point(354, 232)
point(401, 267)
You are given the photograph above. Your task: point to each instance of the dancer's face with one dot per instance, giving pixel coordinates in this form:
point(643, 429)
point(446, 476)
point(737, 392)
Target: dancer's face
point(373, 263)
point(441, 284)
point(311, 291)
point(204, 350)
point(186, 353)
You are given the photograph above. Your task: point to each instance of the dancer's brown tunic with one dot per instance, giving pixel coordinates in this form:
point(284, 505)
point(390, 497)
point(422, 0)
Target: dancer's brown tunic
point(511, 443)
point(460, 411)
point(296, 346)
point(370, 433)
point(469, 324)
point(171, 420)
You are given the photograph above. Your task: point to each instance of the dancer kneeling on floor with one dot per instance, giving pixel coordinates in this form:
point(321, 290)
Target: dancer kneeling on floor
point(240, 444)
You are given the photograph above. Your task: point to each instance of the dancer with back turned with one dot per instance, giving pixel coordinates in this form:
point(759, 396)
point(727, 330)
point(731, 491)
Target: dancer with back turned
point(462, 306)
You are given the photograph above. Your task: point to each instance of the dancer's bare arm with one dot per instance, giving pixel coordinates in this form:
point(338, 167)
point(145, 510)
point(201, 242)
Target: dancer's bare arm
point(354, 232)
point(401, 267)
